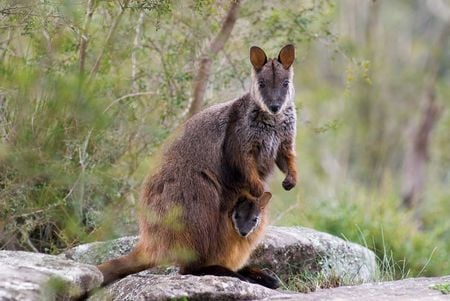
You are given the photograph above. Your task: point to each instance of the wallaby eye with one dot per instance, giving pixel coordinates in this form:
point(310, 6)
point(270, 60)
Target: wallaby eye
point(285, 83)
point(261, 84)
point(255, 219)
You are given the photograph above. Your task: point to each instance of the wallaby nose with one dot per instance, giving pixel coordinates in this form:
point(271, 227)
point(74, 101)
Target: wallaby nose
point(243, 233)
point(274, 108)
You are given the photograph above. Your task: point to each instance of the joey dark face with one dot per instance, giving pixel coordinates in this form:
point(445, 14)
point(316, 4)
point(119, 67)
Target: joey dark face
point(272, 86)
point(247, 214)
point(246, 217)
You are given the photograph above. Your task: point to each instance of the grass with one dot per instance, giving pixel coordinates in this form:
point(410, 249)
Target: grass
point(390, 268)
point(308, 282)
point(404, 246)
point(442, 287)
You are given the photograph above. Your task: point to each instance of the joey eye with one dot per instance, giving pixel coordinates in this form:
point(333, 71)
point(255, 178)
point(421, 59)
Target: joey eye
point(285, 84)
point(261, 84)
point(255, 219)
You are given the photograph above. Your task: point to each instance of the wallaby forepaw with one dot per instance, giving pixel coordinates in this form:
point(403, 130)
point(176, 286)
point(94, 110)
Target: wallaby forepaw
point(289, 182)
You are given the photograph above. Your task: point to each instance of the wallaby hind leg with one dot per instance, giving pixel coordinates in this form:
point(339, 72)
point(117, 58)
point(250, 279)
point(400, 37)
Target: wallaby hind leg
point(215, 270)
point(118, 268)
point(256, 275)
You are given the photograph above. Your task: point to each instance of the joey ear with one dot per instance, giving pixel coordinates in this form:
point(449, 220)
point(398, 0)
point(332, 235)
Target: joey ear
point(258, 57)
point(287, 55)
point(264, 200)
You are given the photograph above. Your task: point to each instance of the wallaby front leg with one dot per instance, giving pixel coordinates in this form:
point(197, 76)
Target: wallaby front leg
point(286, 163)
point(249, 169)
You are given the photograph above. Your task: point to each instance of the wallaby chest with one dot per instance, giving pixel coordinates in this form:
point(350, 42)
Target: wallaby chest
point(266, 133)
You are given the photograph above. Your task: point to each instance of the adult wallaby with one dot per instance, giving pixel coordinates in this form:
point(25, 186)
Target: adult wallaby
point(223, 150)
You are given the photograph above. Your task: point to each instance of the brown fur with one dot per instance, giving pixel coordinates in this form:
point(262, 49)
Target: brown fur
point(184, 215)
point(173, 247)
point(235, 249)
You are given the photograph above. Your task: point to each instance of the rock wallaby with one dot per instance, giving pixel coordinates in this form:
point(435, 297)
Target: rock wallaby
point(223, 150)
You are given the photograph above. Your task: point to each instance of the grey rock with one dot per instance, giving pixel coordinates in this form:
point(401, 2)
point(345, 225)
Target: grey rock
point(284, 251)
point(407, 289)
point(297, 250)
point(98, 252)
point(35, 276)
point(147, 286)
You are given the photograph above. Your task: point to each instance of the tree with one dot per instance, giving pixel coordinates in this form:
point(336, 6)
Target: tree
point(204, 69)
point(417, 153)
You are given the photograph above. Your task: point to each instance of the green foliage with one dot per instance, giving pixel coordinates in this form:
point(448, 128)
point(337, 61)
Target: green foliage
point(71, 142)
point(57, 289)
point(76, 139)
point(403, 247)
point(442, 287)
point(307, 282)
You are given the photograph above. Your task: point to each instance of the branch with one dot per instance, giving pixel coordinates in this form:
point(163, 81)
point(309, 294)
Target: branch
point(6, 44)
point(127, 96)
point(108, 40)
point(173, 87)
point(235, 70)
point(136, 45)
point(83, 37)
point(215, 47)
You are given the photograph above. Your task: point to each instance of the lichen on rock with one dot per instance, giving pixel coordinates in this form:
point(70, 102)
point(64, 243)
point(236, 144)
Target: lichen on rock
point(35, 276)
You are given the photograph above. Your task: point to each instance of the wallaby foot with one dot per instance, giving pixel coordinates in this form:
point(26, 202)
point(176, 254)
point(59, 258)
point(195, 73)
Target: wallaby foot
point(215, 270)
point(256, 275)
point(248, 274)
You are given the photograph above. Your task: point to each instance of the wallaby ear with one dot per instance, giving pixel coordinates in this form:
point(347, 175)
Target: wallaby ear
point(257, 57)
point(264, 200)
point(286, 56)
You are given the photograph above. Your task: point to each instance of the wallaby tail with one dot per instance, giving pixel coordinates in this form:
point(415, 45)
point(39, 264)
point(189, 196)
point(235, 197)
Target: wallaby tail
point(131, 263)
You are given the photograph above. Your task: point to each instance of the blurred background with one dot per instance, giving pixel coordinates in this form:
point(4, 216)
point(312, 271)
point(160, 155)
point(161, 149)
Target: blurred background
point(91, 90)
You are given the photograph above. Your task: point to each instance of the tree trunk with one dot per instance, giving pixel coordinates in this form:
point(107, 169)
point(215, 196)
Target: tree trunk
point(417, 151)
point(204, 70)
point(417, 154)
point(137, 44)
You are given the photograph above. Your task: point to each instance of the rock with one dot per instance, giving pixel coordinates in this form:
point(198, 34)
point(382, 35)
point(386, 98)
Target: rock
point(145, 286)
point(284, 250)
point(296, 250)
point(98, 252)
point(34, 276)
point(407, 289)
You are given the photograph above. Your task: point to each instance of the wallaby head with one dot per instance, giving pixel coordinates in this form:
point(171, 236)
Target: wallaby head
point(272, 86)
point(247, 213)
